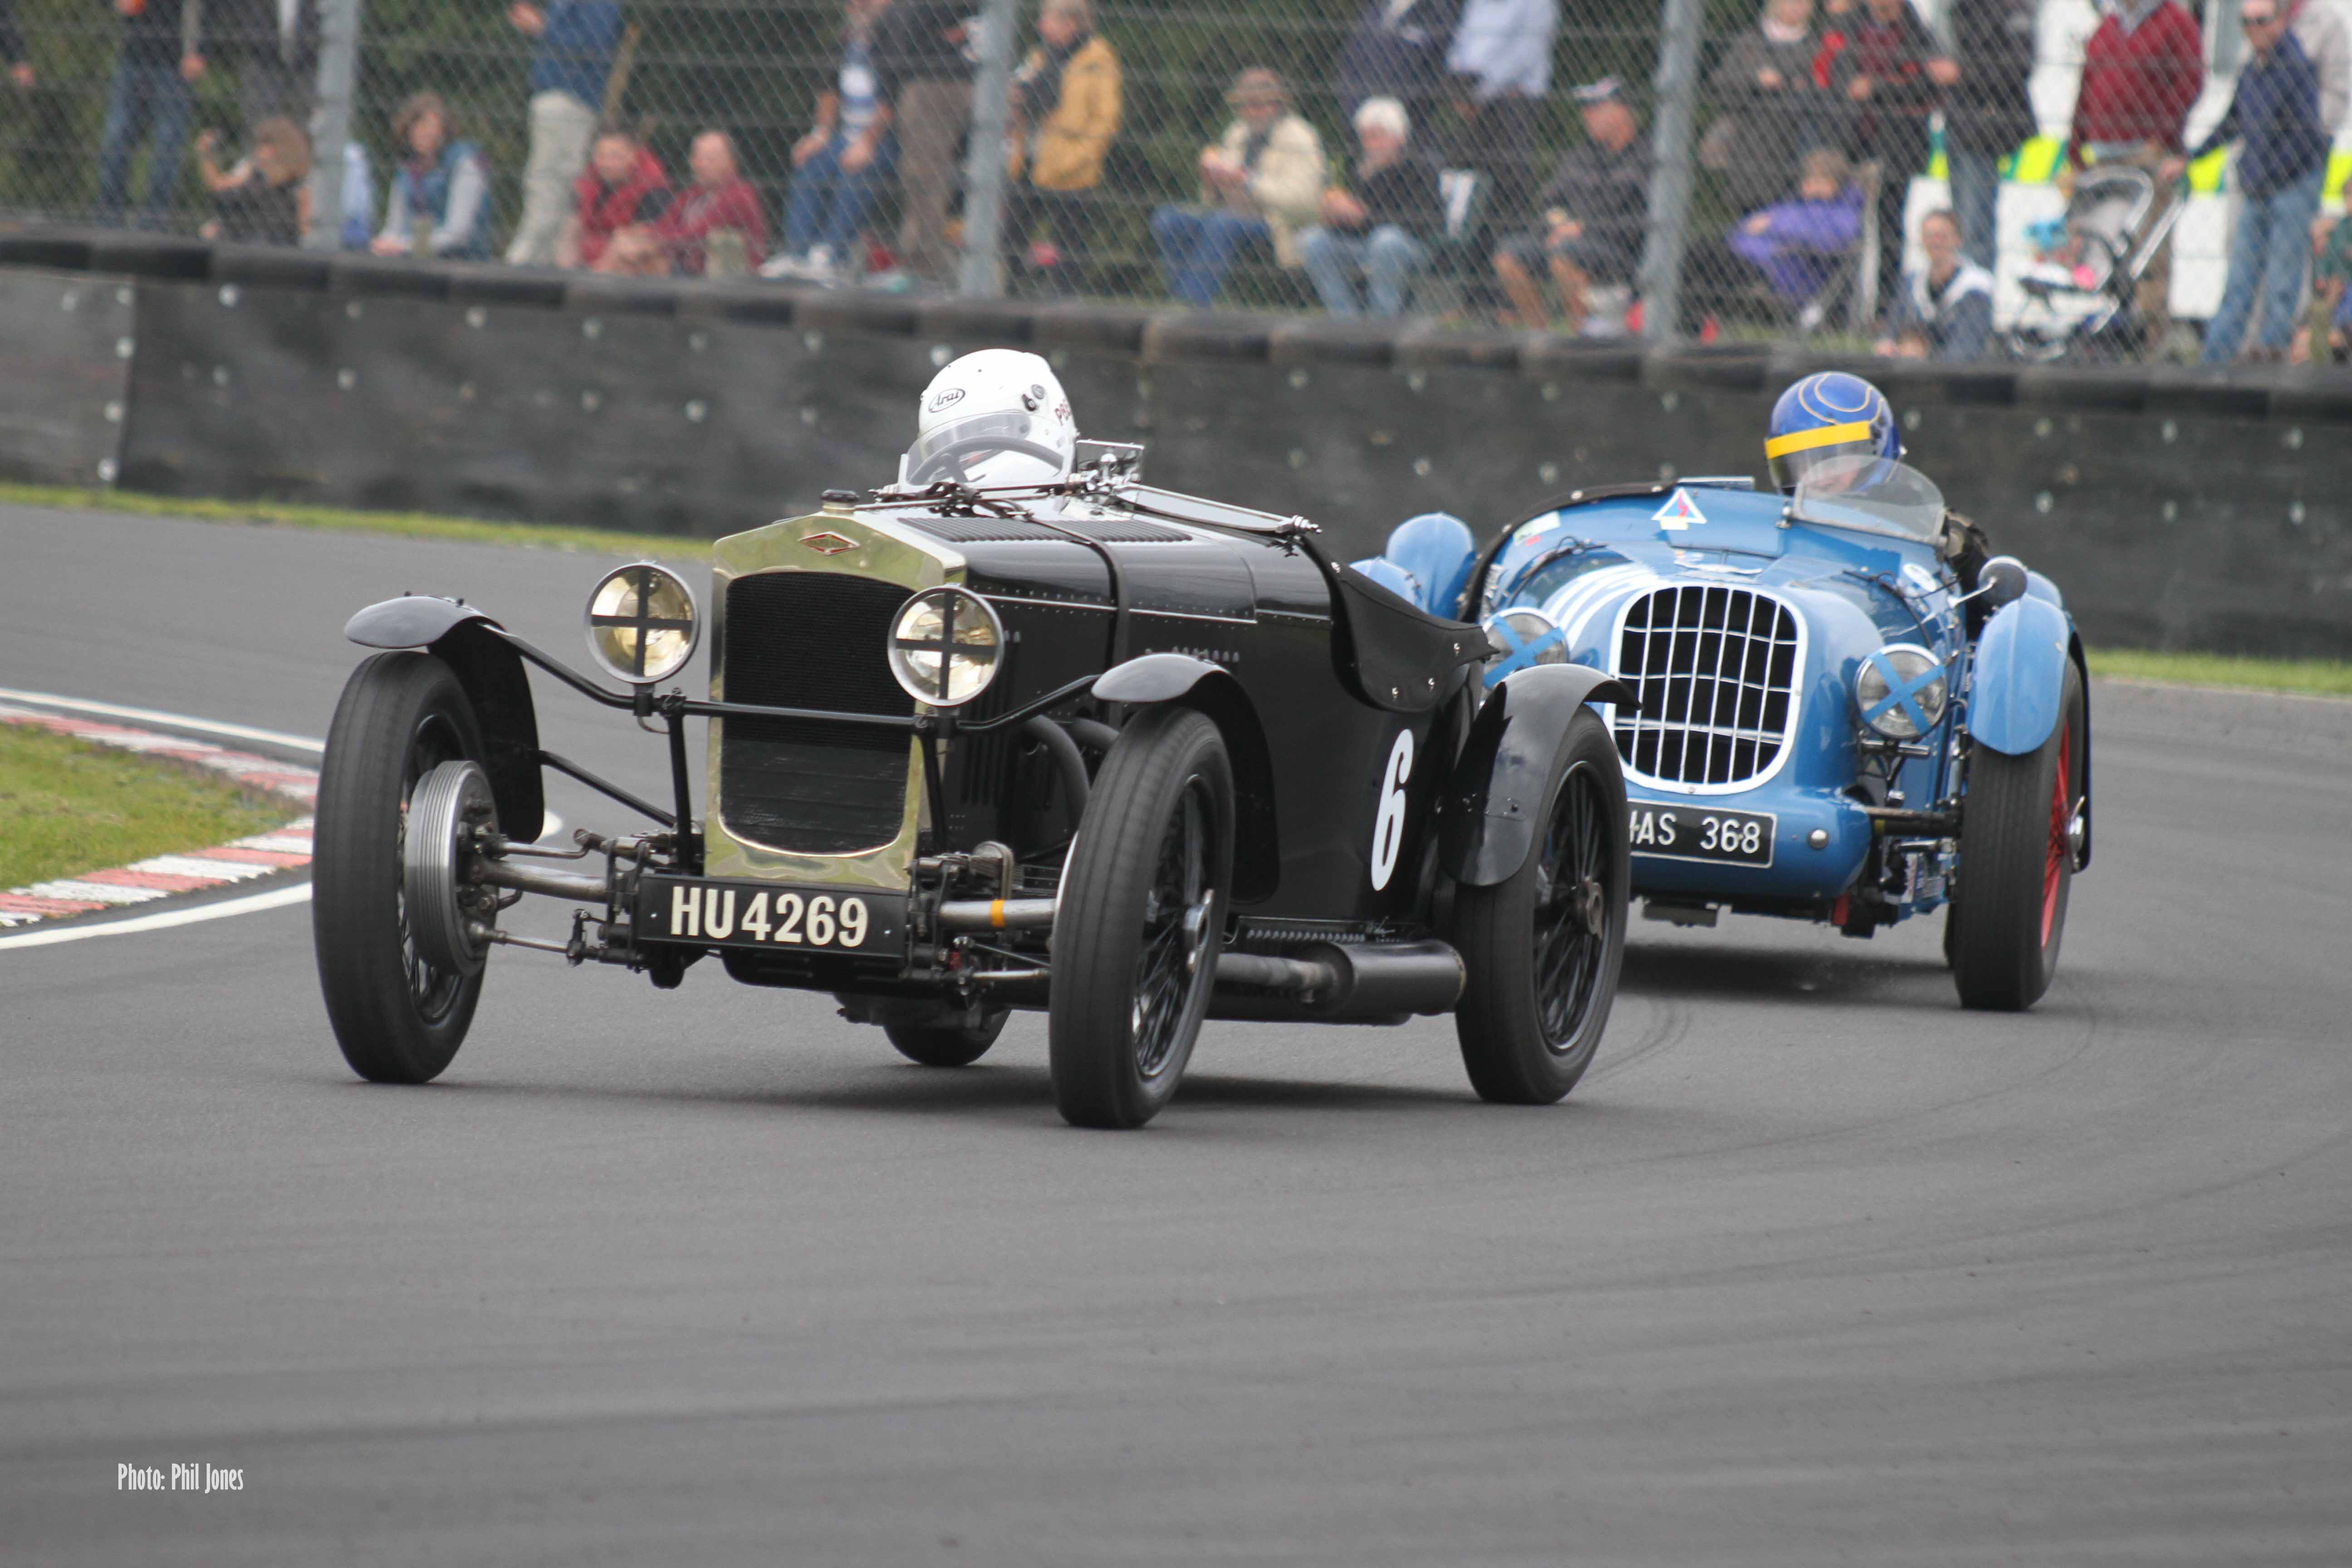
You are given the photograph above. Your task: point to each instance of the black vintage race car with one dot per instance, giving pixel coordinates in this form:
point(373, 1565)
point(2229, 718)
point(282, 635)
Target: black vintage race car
point(1131, 757)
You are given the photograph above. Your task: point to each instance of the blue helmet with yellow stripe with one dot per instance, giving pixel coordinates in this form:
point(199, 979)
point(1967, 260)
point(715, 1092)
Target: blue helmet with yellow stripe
point(1831, 414)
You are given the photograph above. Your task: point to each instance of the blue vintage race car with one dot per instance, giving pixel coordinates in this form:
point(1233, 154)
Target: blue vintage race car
point(1831, 726)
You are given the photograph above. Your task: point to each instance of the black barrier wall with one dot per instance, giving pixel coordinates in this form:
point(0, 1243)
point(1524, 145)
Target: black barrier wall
point(2177, 509)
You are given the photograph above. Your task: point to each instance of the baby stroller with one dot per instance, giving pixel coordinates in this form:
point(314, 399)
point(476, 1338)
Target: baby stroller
point(2081, 290)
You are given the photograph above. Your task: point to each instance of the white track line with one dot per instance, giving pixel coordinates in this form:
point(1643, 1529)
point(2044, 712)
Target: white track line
point(153, 716)
point(252, 903)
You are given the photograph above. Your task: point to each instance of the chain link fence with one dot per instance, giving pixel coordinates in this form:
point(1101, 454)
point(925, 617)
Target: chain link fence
point(1949, 180)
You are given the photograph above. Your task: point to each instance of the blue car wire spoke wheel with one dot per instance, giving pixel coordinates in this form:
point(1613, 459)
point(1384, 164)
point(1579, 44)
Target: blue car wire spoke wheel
point(1543, 948)
point(2016, 868)
point(1142, 910)
point(398, 1015)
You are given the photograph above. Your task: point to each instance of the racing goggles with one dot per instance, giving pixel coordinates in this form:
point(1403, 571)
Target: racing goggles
point(1002, 446)
point(1790, 455)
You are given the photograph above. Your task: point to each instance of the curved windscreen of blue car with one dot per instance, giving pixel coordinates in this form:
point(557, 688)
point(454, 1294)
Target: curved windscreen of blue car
point(1870, 495)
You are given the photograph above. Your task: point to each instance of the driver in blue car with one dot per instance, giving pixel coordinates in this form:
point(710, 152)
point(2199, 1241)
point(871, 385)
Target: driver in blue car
point(1832, 415)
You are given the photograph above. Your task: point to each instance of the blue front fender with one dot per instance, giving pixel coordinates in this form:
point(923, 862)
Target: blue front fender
point(2021, 677)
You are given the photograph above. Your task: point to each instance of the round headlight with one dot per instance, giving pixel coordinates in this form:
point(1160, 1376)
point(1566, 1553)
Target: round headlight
point(1902, 691)
point(642, 623)
point(1522, 637)
point(945, 646)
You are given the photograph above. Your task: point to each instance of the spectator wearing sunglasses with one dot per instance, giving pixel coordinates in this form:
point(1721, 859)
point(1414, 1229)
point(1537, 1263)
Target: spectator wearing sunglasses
point(2290, 98)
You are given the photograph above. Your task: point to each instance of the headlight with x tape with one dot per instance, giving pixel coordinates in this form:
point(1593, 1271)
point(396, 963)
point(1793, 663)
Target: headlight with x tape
point(1902, 691)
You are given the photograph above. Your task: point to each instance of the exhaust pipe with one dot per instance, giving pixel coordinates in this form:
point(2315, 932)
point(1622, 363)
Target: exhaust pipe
point(1335, 981)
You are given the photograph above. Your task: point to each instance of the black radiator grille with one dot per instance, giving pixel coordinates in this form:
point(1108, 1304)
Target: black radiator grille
point(813, 639)
point(1716, 671)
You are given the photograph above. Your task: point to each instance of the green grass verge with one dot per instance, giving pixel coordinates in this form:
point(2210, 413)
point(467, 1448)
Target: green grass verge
point(2320, 677)
point(67, 807)
point(412, 524)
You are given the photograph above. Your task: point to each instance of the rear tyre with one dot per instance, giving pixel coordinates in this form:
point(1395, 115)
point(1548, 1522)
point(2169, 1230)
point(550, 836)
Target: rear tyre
point(1143, 907)
point(2017, 865)
point(1542, 949)
point(951, 1045)
point(398, 1016)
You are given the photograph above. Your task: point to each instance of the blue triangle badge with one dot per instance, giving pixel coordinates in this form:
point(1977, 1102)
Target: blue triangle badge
point(1679, 512)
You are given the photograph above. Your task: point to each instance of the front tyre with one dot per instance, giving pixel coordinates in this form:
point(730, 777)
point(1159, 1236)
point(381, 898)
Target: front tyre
point(1542, 947)
point(398, 1016)
point(1143, 902)
point(2016, 869)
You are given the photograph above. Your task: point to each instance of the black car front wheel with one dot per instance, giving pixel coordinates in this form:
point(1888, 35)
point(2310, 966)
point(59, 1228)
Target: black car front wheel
point(1542, 947)
point(2016, 869)
point(1135, 940)
point(398, 1016)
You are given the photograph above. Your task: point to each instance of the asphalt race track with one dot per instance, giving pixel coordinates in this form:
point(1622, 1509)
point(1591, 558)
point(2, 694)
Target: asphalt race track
point(1813, 1267)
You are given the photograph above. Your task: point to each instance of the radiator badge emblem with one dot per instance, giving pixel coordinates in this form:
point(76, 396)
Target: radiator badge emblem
point(1679, 512)
point(829, 544)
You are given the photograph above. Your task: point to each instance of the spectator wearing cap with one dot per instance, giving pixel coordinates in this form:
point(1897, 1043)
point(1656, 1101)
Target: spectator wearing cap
point(2143, 70)
point(571, 60)
point(1768, 106)
point(922, 57)
point(624, 186)
point(1065, 112)
point(1987, 114)
point(440, 200)
point(1944, 309)
point(695, 229)
point(148, 101)
point(1891, 80)
point(848, 151)
point(1261, 181)
point(16, 65)
point(1397, 49)
point(1501, 65)
point(2290, 98)
point(1592, 216)
point(1381, 225)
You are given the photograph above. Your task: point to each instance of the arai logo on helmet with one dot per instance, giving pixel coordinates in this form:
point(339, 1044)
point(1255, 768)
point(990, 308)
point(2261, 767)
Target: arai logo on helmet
point(948, 398)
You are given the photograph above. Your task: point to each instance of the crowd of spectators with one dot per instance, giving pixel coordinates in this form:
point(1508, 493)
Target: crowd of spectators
point(1815, 123)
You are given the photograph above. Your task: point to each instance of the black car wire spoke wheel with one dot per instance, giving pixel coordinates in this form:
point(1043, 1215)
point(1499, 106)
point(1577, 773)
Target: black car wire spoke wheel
point(1134, 941)
point(2016, 872)
point(1543, 948)
point(397, 1015)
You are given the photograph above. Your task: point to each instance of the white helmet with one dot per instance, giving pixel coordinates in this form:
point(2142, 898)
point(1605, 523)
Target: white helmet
point(995, 417)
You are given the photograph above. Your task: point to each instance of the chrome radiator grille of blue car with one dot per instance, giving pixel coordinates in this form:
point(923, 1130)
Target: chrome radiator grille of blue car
point(1716, 668)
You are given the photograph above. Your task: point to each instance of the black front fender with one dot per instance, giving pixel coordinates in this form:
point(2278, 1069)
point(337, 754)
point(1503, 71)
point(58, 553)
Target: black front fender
point(1488, 813)
point(1155, 678)
point(491, 671)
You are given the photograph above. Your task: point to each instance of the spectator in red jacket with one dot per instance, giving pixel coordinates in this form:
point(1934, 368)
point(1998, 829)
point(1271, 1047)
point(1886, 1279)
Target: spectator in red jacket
point(2143, 68)
point(719, 202)
point(622, 184)
point(1891, 80)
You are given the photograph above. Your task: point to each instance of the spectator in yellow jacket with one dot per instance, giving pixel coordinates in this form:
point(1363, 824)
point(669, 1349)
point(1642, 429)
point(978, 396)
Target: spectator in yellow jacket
point(1263, 179)
point(1065, 112)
